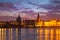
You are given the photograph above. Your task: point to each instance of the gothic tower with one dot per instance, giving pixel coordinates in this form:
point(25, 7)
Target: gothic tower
point(38, 18)
point(38, 21)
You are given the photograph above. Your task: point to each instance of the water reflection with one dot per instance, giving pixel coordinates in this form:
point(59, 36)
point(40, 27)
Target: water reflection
point(49, 34)
point(29, 34)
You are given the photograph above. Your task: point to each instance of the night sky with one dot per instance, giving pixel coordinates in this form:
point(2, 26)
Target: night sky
point(48, 9)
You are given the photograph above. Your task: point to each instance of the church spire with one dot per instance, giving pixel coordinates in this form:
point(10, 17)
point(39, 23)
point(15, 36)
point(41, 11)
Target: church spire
point(38, 18)
point(38, 21)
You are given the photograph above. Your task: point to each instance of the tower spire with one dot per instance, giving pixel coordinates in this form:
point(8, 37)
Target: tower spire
point(38, 22)
point(38, 18)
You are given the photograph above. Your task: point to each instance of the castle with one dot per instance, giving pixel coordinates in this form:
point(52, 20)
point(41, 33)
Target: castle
point(30, 23)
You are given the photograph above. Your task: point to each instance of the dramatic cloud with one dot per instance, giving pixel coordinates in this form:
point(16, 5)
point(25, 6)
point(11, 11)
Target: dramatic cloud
point(48, 9)
point(54, 5)
point(28, 14)
point(56, 1)
point(7, 6)
point(33, 3)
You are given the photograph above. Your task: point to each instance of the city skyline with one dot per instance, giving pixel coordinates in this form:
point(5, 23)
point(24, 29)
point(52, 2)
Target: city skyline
point(28, 9)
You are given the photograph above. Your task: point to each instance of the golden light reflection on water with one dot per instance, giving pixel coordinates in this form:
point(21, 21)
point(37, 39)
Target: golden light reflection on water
point(43, 34)
point(58, 34)
point(0, 34)
point(50, 34)
point(3, 34)
point(10, 34)
point(46, 34)
point(6, 34)
point(16, 33)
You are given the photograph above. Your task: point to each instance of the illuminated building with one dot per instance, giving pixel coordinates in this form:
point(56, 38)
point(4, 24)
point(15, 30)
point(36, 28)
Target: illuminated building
point(53, 22)
point(38, 22)
point(30, 23)
point(47, 23)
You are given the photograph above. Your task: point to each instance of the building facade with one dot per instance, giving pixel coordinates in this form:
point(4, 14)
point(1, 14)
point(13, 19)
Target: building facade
point(30, 23)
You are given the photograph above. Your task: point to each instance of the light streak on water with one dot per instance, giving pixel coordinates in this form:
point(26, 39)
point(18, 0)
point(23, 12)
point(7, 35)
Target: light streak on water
point(29, 34)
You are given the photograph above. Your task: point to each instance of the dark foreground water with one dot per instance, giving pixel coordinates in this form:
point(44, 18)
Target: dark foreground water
point(29, 34)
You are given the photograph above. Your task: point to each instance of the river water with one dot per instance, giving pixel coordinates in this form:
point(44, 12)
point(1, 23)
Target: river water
point(29, 34)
